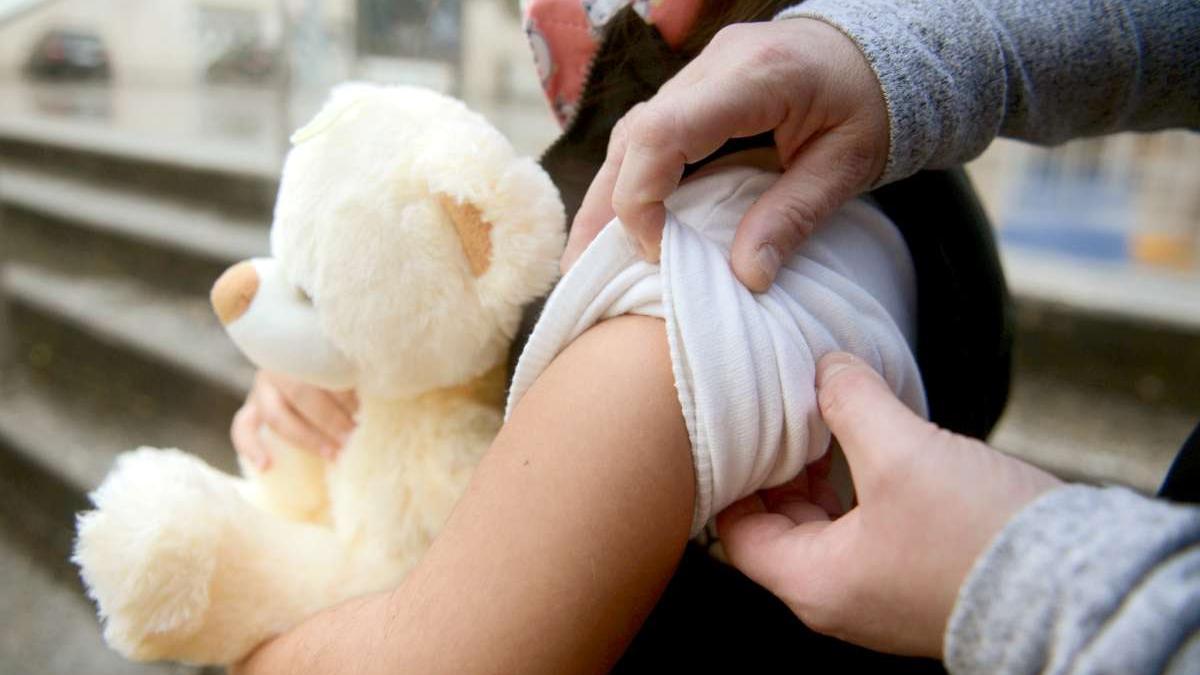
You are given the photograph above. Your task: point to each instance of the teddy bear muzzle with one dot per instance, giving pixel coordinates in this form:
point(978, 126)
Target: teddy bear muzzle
point(234, 291)
point(277, 326)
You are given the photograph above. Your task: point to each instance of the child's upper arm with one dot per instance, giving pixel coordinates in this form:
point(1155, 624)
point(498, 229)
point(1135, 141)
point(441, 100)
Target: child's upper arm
point(570, 529)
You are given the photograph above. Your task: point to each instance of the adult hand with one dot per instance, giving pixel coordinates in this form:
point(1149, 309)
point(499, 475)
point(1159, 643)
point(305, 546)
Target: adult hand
point(305, 416)
point(886, 574)
point(800, 78)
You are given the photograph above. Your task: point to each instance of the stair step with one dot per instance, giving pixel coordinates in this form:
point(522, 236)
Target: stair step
point(214, 174)
point(53, 628)
point(1091, 434)
point(156, 221)
point(180, 332)
point(75, 435)
point(1113, 290)
point(225, 155)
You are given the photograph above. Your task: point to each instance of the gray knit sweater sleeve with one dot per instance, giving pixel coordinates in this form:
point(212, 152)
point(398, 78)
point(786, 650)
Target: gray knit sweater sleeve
point(1084, 580)
point(957, 73)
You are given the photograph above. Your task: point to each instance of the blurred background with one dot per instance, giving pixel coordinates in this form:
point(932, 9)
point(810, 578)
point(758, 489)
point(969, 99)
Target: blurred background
point(140, 144)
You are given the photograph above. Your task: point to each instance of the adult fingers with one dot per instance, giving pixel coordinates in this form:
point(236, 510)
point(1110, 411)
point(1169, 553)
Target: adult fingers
point(872, 425)
point(800, 499)
point(285, 421)
point(244, 434)
point(823, 494)
point(596, 210)
point(671, 131)
point(767, 546)
point(826, 172)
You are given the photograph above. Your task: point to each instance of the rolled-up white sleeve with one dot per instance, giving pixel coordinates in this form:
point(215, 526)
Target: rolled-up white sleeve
point(745, 364)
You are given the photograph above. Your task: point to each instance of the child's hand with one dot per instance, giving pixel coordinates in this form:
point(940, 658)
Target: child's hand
point(802, 79)
point(887, 573)
point(306, 416)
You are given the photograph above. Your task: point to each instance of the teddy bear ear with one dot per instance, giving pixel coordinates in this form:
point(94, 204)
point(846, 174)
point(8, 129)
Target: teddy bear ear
point(474, 232)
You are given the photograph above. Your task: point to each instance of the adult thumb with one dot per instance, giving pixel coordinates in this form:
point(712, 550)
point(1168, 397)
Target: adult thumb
point(827, 172)
point(863, 413)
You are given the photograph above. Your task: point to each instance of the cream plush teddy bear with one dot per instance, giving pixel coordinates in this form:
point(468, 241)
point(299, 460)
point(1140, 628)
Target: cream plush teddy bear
point(407, 237)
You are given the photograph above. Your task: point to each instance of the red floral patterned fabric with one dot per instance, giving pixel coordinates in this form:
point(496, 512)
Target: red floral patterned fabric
point(565, 35)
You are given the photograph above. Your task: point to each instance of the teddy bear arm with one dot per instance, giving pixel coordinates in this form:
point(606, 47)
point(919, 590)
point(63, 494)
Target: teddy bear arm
point(295, 486)
point(202, 575)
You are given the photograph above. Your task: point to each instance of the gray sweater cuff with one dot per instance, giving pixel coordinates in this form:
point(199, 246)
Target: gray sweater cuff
point(957, 73)
point(938, 115)
point(1083, 580)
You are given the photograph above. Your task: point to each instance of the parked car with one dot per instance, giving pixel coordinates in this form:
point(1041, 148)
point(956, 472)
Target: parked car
point(243, 62)
point(73, 55)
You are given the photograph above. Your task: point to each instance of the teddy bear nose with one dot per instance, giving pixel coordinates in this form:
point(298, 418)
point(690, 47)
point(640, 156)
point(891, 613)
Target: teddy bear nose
point(234, 291)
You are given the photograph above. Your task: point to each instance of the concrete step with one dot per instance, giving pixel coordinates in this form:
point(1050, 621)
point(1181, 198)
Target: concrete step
point(1090, 434)
point(1114, 290)
point(176, 331)
point(50, 627)
point(75, 432)
point(65, 248)
point(108, 253)
point(202, 231)
point(200, 175)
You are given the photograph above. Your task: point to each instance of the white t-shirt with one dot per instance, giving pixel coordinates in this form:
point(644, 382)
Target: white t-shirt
point(745, 363)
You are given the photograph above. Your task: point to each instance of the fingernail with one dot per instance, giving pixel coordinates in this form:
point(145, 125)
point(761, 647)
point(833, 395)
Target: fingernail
point(329, 451)
point(262, 461)
point(832, 364)
point(768, 260)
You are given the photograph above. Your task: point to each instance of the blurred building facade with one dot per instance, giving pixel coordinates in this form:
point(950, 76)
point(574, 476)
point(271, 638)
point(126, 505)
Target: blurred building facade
point(475, 48)
point(1125, 198)
point(156, 41)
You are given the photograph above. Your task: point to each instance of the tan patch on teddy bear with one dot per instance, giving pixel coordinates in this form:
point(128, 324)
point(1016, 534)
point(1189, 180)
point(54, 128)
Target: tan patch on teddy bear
point(474, 232)
point(234, 291)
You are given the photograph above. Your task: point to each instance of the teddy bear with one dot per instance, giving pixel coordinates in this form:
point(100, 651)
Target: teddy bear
point(407, 237)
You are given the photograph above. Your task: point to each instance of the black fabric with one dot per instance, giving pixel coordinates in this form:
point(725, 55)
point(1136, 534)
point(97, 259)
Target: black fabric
point(712, 619)
point(711, 616)
point(965, 318)
point(1182, 483)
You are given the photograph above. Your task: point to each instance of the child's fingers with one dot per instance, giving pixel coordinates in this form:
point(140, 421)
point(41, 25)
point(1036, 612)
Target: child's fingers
point(244, 434)
point(347, 400)
point(322, 412)
point(285, 421)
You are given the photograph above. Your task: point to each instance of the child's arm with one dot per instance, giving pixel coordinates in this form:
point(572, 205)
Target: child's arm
point(561, 545)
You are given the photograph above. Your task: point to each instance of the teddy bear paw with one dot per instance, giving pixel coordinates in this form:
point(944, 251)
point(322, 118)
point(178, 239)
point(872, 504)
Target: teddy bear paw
point(148, 551)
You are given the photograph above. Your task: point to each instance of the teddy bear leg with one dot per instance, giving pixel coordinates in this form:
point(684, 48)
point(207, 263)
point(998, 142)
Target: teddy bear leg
point(294, 487)
point(183, 568)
